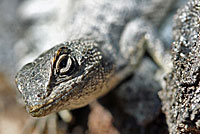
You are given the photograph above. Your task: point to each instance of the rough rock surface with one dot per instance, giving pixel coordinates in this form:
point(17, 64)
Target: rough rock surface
point(181, 96)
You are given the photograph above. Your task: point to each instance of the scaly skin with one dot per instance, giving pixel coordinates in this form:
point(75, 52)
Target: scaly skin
point(73, 73)
point(105, 43)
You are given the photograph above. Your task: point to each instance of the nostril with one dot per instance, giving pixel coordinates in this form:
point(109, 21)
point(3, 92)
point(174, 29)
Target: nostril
point(39, 95)
point(43, 95)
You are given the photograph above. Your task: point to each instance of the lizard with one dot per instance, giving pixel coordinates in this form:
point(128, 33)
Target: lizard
point(104, 49)
point(180, 96)
point(124, 36)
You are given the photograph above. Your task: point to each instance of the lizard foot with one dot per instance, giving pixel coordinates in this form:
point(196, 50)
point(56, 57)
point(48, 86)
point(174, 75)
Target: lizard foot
point(46, 125)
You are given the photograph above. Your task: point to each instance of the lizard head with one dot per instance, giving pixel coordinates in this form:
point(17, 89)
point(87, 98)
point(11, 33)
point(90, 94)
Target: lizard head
point(68, 76)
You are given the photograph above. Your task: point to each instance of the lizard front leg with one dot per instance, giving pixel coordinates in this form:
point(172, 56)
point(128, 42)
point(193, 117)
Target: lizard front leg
point(140, 37)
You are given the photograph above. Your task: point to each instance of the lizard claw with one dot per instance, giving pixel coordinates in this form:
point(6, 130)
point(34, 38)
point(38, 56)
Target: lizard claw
point(45, 125)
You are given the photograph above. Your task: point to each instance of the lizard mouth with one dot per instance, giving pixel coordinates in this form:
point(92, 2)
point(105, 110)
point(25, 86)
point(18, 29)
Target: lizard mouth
point(47, 107)
point(44, 109)
point(40, 109)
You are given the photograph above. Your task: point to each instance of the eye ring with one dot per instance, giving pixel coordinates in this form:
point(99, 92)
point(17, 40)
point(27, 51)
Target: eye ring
point(65, 65)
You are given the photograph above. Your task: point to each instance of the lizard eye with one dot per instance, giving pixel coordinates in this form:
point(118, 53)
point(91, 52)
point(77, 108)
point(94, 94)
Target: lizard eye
point(65, 65)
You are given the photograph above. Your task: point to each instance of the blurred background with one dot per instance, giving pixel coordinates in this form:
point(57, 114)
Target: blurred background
point(25, 25)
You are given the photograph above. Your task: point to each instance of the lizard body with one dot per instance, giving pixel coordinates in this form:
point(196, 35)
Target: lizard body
point(106, 42)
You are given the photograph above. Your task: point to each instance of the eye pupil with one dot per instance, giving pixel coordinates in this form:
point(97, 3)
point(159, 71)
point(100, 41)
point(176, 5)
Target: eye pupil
point(63, 63)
